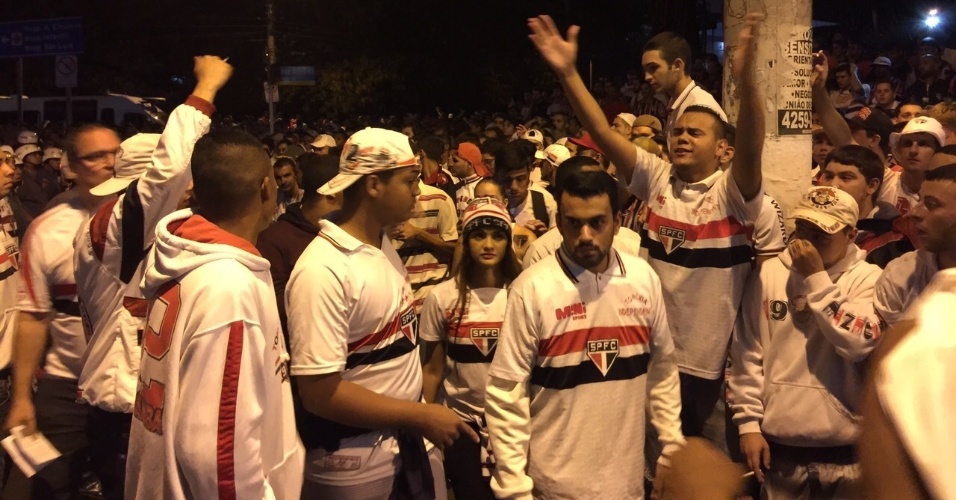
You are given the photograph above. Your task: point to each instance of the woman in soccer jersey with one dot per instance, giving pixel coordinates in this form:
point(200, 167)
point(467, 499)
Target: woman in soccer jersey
point(459, 325)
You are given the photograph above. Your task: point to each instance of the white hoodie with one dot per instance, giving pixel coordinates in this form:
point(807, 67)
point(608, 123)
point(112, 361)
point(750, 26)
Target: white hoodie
point(213, 411)
point(798, 350)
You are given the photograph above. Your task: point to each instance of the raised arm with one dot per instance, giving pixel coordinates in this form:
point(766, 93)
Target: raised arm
point(834, 125)
point(168, 175)
point(751, 123)
point(561, 55)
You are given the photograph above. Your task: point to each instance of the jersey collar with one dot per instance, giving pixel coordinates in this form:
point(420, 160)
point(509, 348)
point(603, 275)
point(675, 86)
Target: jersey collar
point(575, 273)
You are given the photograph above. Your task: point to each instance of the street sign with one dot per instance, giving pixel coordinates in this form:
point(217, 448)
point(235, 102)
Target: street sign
point(65, 69)
point(297, 75)
point(271, 92)
point(41, 37)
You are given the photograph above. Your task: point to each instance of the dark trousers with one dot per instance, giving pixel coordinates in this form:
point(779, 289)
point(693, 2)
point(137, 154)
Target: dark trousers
point(63, 421)
point(698, 397)
point(463, 469)
point(109, 442)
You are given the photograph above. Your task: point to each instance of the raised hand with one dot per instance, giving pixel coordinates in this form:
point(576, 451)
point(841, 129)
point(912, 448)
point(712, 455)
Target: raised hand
point(746, 52)
point(821, 70)
point(212, 73)
point(558, 52)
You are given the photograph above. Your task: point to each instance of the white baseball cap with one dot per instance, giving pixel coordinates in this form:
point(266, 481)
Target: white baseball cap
point(324, 141)
point(26, 149)
point(137, 151)
point(556, 154)
point(828, 208)
point(50, 153)
point(917, 125)
point(628, 118)
point(367, 152)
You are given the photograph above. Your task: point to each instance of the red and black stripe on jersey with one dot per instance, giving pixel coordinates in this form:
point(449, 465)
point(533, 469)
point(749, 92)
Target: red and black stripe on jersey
point(596, 365)
point(397, 339)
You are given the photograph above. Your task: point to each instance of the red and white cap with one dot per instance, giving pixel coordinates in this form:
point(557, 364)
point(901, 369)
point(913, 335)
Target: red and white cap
point(485, 212)
point(917, 125)
point(556, 154)
point(367, 152)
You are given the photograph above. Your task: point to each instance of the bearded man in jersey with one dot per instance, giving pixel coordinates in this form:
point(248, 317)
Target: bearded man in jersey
point(213, 416)
point(698, 233)
point(566, 394)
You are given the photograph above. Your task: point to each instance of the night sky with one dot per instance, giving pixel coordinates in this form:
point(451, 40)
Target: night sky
point(389, 56)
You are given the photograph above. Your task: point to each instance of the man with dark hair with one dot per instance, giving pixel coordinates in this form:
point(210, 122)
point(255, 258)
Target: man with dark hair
point(352, 328)
point(884, 97)
point(599, 333)
point(908, 111)
point(929, 89)
point(849, 94)
point(430, 149)
point(625, 240)
point(883, 235)
point(666, 61)
point(214, 415)
point(287, 177)
point(904, 279)
point(702, 272)
point(531, 208)
point(490, 149)
point(284, 241)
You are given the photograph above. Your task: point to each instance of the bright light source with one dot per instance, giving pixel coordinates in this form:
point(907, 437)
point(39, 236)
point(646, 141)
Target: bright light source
point(934, 12)
point(932, 20)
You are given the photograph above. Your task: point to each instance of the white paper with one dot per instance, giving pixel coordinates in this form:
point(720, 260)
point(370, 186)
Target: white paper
point(30, 453)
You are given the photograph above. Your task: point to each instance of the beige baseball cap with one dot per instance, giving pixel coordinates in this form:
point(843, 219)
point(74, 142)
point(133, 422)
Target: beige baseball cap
point(828, 208)
point(367, 152)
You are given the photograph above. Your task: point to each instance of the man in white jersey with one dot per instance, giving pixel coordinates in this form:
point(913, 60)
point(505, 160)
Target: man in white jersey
point(352, 330)
point(9, 265)
point(625, 241)
point(213, 409)
point(666, 61)
point(110, 249)
point(698, 233)
point(565, 400)
point(904, 279)
point(49, 331)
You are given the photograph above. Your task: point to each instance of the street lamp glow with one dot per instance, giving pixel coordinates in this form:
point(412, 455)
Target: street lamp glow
point(932, 20)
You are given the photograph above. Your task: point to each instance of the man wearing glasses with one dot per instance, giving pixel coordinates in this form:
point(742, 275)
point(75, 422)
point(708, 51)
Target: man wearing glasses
point(49, 329)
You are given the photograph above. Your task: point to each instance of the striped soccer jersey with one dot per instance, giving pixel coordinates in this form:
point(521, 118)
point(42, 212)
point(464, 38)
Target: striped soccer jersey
point(439, 218)
point(591, 349)
point(9, 266)
point(350, 312)
point(470, 342)
point(47, 284)
point(895, 192)
point(698, 237)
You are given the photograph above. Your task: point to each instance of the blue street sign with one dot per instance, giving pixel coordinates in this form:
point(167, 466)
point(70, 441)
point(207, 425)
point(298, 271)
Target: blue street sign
point(41, 37)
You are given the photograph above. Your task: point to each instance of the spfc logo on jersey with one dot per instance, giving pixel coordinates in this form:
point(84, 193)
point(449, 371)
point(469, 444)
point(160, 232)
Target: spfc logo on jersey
point(671, 238)
point(603, 353)
point(484, 339)
point(409, 324)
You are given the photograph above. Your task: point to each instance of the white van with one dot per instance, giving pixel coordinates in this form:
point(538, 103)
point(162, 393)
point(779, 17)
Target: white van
point(111, 109)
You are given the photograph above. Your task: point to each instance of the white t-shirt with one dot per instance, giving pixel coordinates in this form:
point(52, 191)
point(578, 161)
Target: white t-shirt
point(895, 192)
point(9, 265)
point(902, 282)
point(47, 285)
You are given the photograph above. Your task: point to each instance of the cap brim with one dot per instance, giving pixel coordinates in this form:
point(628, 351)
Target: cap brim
point(825, 222)
point(540, 155)
point(338, 184)
point(112, 185)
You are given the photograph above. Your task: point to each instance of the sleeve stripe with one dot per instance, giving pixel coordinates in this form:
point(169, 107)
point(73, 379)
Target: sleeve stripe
point(99, 228)
point(225, 463)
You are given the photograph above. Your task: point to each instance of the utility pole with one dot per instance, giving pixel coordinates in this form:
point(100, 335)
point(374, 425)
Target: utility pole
point(270, 62)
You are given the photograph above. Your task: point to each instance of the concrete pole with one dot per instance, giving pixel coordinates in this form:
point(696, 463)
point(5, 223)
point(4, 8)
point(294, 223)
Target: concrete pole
point(783, 73)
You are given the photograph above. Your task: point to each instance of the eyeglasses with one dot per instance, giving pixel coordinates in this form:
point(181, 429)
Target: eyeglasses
point(99, 156)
